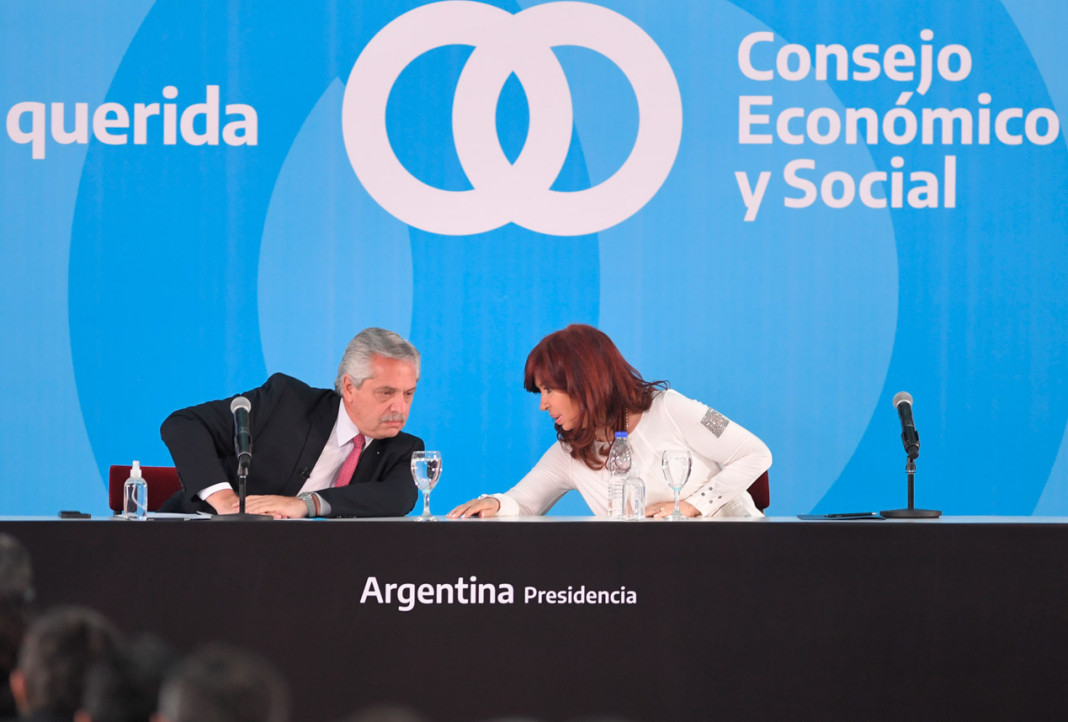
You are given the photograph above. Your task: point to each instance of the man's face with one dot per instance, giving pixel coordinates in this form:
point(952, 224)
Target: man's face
point(379, 407)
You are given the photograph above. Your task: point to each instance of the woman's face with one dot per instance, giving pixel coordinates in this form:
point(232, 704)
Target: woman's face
point(564, 411)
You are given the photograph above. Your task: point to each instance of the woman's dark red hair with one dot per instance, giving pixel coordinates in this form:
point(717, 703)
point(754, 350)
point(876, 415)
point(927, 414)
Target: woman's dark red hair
point(584, 363)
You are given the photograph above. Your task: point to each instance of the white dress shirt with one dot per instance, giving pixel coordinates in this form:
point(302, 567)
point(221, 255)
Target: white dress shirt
point(338, 446)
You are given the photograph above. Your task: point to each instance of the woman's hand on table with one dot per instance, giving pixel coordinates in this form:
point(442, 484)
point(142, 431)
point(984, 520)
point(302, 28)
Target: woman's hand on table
point(484, 508)
point(663, 508)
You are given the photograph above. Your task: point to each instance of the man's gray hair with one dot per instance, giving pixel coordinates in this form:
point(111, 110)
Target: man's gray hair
point(368, 343)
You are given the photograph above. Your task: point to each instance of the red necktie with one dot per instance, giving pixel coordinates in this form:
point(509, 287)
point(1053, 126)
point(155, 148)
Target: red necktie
point(344, 475)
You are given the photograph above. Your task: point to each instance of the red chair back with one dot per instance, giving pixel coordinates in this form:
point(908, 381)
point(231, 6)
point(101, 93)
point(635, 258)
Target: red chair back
point(760, 492)
point(162, 484)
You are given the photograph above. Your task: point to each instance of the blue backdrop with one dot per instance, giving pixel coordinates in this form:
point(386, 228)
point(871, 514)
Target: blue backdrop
point(209, 228)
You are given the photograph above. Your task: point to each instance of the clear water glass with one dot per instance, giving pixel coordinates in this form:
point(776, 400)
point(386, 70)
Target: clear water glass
point(426, 468)
point(676, 465)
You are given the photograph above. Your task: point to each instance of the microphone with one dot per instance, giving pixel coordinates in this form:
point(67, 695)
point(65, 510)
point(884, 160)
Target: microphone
point(240, 407)
point(909, 436)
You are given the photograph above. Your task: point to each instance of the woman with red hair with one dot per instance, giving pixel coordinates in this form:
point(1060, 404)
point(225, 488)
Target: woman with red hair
point(590, 391)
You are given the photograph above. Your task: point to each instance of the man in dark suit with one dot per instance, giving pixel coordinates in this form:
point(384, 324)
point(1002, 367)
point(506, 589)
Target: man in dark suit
point(316, 452)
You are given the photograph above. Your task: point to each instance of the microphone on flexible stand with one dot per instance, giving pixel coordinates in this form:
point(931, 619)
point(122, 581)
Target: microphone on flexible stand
point(910, 439)
point(240, 408)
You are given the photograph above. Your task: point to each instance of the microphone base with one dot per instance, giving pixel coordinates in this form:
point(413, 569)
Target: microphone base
point(911, 514)
point(242, 517)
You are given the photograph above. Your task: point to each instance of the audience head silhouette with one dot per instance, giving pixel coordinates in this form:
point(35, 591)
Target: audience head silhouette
point(59, 649)
point(223, 684)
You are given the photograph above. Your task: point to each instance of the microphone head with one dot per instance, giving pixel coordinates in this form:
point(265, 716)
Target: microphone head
point(240, 403)
point(902, 396)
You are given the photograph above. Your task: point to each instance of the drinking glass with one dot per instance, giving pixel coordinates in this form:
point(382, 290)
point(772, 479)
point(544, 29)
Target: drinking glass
point(426, 468)
point(676, 465)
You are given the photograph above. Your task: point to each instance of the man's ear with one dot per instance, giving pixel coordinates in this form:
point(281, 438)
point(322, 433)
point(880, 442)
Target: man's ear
point(18, 690)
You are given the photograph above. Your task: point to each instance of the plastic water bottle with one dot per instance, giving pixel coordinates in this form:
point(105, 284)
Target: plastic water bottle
point(618, 465)
point(135, 495)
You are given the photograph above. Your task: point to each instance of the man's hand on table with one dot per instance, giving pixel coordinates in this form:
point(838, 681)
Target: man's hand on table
point(280, 507)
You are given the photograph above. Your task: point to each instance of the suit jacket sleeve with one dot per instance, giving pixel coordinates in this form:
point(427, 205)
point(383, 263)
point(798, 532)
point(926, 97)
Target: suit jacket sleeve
point(201, 438)
point(382, 483)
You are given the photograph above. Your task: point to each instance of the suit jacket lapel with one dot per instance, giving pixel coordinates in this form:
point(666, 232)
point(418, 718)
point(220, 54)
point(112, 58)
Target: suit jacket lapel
point(371, 460)
point(321, 420)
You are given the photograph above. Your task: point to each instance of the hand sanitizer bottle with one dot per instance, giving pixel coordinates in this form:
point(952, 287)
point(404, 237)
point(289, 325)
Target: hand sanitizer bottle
point(135, 495)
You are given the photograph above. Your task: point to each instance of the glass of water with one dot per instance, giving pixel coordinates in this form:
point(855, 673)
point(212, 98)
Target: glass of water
point(426, 468)
point(676, 465)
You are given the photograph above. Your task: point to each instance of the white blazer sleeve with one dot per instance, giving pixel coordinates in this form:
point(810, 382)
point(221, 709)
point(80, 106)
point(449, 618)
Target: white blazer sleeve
point(741, 456)
point(542, 487)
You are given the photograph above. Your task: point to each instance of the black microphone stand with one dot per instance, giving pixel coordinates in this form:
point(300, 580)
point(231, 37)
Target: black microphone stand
point(242, 484)
point(243, 463)
point(911, 512)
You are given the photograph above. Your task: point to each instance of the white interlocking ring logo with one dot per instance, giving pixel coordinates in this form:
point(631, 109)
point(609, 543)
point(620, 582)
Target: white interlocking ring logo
point(517, 192)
